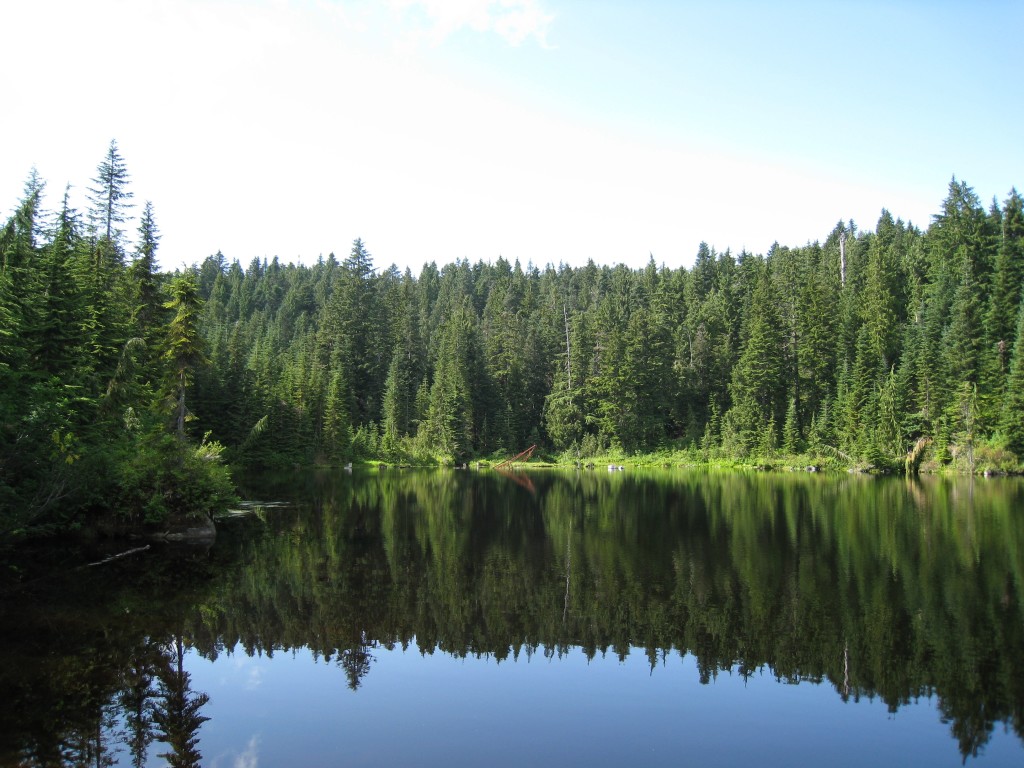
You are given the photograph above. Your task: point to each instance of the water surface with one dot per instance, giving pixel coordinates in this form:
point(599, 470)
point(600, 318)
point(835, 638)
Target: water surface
point(468, 618)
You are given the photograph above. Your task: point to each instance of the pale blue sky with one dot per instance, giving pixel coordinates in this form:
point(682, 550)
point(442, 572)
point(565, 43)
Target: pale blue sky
point(541, 130)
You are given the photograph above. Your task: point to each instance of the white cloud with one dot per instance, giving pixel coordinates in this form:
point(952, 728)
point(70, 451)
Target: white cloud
point(250, 757)
point(515, 21)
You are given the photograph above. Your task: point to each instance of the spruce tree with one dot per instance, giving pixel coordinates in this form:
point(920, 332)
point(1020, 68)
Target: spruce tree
point(184, 349)
point(144, 275)
point(964, 337)
point(889, 437)
point(448, 428)
point(110, 197)
point(1012, 422)
point(791, 430)
point(881, 300)
point(1007, 281)
point(758, 380)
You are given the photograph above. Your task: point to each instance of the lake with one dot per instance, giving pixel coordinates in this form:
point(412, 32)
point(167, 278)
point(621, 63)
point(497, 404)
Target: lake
point(466, 618)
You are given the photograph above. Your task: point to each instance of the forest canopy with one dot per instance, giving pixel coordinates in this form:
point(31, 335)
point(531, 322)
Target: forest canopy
point(893, 348)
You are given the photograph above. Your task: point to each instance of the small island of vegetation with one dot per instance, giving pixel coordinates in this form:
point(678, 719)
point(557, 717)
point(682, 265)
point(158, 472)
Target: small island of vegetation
point(124, 389)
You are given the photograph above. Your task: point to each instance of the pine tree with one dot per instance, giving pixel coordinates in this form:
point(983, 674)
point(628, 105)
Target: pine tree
point(448, 428)
point(817, 329)
point(1012, 422)
point(185, 347)
point(1006, 285)
point(882, 299)
point(791, 430)
point(889, 438)
point(338, 431)
point(758, 381)
point(563, 407)
point(355, 326)
point(964, 337)
point(143, 274)
point(110, 197)
point(18, 275)
point(703, 358)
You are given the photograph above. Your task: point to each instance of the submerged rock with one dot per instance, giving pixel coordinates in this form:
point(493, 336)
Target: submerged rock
point(188, 529)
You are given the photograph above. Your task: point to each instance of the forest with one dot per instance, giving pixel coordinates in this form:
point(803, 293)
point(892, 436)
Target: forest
point(125, 389)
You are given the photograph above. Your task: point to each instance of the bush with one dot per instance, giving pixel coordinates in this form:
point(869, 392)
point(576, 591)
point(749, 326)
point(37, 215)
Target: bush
point(165, 478)
point(994, 455)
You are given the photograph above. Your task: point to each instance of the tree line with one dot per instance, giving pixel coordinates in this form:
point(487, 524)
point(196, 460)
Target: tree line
point(897, 347)
point(879, 348)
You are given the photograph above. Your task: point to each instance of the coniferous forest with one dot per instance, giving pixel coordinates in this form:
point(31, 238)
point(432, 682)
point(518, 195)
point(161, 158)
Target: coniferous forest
point(123, 388)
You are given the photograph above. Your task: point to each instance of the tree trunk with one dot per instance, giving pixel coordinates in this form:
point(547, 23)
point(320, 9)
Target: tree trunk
point(181, 405)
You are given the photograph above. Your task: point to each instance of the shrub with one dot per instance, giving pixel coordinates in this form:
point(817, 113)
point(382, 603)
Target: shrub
point(166, 478)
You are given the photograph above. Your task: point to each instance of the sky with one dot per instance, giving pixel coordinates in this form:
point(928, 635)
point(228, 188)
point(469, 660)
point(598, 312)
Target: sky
point(544, 131)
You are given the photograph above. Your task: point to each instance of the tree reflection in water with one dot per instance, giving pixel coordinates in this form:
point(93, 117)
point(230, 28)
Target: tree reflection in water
point(895, 589)
point(176, 709)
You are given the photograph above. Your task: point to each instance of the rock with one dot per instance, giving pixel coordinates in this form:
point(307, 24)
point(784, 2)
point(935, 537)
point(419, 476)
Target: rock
point(189, 529)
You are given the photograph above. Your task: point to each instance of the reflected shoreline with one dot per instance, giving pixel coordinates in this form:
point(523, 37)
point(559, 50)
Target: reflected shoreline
point(890, 589)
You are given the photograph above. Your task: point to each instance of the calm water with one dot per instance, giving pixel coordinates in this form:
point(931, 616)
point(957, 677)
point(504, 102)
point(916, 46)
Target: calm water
point(469, 618)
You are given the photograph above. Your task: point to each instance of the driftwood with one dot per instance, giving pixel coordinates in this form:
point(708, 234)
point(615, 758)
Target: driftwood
point(117, 556)
point(23, 585)
point(524, 456)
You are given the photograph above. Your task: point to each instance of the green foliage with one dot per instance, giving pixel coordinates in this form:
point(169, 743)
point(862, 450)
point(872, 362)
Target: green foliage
point(758, 380)
point(992, 455)
point(791, 431)
point(110, 197)
point(163, 479)
point(1012, 416)
point(86, 352)
point(185, 347)
point(853, 349)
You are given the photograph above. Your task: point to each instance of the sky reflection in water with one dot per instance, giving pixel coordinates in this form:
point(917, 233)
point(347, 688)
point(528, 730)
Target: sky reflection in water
point(438, 710)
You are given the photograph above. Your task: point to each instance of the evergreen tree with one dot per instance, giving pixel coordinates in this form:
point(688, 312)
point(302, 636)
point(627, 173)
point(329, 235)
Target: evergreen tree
point(563, 407)
point(356, 326)
point(143, 274)
point(1012, 422)
point(110, 197)
point(56, 335)
point(964, 336)
point(1007, 281)
point(816, 326)
point(758, 381)
point(882, 301)
point(889, 437)
point(338, 431)
point(448, 428)
point(184, 349)
point(791, 430)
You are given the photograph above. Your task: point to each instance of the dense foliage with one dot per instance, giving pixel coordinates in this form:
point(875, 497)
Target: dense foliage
point(889, 348)
point(97, 350)
point(882, 348)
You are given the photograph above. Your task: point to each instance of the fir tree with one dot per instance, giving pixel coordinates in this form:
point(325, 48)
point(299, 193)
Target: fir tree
point(143, 274)
point(759, 375)
point(110, 197)
point(1012, 422)
point(1007, 281)
point(185, 347)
